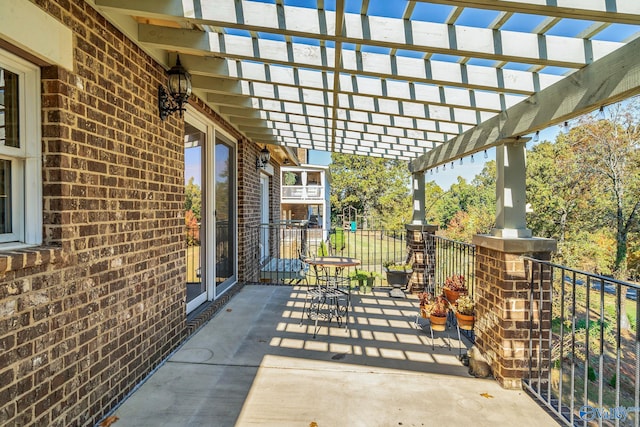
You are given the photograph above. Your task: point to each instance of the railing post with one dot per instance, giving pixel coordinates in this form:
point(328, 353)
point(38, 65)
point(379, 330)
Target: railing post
point(503, 291)
point(420, 256)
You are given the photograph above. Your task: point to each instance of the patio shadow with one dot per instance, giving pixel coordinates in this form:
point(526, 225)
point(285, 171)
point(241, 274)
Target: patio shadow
point(254, 364)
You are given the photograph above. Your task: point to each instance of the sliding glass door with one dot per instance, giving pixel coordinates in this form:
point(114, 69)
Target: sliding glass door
point(195, 137)
point(210, 210)
point(225, 217)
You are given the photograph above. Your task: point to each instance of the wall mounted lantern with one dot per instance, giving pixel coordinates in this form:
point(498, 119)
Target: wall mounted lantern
point(263, 158)
point(179, 86)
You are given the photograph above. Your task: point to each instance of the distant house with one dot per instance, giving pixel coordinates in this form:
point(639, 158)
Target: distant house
point(305, 194)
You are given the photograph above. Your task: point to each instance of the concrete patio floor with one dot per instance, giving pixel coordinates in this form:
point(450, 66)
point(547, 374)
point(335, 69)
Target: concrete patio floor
point(254, 364)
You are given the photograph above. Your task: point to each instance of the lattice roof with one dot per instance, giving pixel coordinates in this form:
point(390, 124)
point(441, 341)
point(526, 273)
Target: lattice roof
point(426, 80)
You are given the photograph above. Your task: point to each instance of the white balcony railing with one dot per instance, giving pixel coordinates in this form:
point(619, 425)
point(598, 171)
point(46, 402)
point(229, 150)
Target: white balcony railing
point(300, 192)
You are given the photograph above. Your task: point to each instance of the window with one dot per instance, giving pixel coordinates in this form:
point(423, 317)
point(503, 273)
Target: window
point(20, 153)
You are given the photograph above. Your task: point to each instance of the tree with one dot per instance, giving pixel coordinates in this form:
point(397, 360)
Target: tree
point(433, 194)
point(193, 199)
point(609, 150)
point(558, 191)
point(377, 188)
point(468, 208)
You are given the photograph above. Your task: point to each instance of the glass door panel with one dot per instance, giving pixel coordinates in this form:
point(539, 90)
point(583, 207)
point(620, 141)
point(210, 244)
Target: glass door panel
point(194, 142)
point(224, 176)
point(264, 217)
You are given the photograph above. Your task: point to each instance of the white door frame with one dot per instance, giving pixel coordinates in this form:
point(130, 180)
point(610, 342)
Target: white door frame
point(219, 289)
point(208, 245)
point(264, 216)
point(206, 249)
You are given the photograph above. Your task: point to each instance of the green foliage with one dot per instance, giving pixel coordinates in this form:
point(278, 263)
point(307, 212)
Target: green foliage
point(433, 194)
point(584, 191)
point(193, 199)
point(322, 249)
point(591, 375)
point(466, 208)
point(397, 266)
point(588, 250)
point(377, 188)
point(290, 178)
point(362, 275)
point(337, 239)
point(613, 380)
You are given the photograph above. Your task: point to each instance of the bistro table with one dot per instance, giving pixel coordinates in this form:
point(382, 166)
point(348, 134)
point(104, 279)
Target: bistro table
point(330, 289)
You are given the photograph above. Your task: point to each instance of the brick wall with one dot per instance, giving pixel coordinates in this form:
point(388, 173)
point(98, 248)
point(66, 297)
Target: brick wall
point(89, 314)
point(502, 313)
point(249, 208)
point(422, 256)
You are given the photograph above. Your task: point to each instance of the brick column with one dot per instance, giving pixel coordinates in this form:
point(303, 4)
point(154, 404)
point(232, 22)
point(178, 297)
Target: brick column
point(502, 304)
point(421, 257)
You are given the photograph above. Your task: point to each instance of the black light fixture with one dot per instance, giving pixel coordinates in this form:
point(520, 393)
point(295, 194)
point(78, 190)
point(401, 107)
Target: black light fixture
point(263, 158)
point(179, 86)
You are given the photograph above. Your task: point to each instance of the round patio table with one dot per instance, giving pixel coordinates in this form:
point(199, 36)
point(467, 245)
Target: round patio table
point(328, 292)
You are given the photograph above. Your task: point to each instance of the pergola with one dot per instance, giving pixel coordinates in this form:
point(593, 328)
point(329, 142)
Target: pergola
point(424, 81)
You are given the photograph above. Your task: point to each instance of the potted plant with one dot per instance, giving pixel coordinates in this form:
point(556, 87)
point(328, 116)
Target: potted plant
point(365, 279)
point(454, 286)
point(465, 312)
point(398, 273)
point(438, 313)
point(425, 301)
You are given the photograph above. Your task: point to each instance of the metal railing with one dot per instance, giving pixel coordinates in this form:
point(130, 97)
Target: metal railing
point(450, 258)
point(278, 245)
point(583, 354)
point(193, 261)
point(303, 192)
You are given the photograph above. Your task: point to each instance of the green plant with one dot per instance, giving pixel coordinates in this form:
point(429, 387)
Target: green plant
point(465, 305)
point(290, 178)
point(361, 275)
point(456, 283)
point(397, 266)
point(322, 249)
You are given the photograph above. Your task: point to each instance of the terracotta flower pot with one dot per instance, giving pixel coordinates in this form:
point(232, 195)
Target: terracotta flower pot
point(424, 312)
point(465, 321)
point(438, 323)
point(452, 296)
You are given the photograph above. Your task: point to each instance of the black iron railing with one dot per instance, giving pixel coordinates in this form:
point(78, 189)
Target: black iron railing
point(450, 258)
point(584, 345)
point(276, 247)
point(193, 261)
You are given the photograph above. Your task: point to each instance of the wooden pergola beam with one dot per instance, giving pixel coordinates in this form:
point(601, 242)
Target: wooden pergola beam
point(609, 80)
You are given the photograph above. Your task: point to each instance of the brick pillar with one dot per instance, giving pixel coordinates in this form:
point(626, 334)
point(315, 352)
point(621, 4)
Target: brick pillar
point(502, 304)
point(420, 256)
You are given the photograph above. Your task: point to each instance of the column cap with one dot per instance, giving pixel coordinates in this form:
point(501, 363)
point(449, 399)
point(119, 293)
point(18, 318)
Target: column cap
point(421, 227)
point(515, 245)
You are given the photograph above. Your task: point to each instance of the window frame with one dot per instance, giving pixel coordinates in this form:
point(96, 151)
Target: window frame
point(26, 161)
